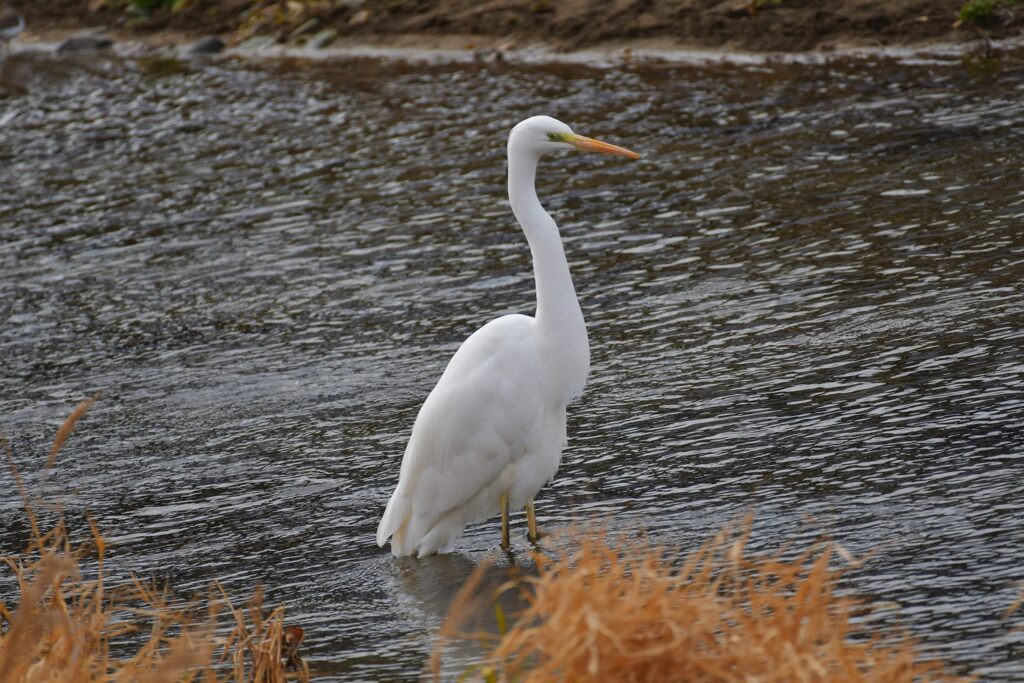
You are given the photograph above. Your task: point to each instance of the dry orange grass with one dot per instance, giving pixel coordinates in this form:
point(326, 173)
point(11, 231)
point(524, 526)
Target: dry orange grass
point(606, 611)
point(69, 625)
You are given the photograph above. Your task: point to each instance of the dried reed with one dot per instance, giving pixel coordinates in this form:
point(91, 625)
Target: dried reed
point(67, 627)
point(608, 609)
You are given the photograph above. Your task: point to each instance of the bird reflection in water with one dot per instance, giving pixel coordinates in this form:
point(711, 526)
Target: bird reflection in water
point(433, 584)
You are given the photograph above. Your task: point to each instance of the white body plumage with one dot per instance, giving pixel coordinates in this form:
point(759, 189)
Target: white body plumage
point(494, 426)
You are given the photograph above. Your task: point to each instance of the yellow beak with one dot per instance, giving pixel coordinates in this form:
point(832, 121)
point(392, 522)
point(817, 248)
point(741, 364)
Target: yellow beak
point(591, 145)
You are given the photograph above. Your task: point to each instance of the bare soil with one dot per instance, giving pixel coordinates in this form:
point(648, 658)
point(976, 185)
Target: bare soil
point(752, 25)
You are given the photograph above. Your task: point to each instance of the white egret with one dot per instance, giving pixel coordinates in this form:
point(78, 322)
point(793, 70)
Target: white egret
point(491, 432)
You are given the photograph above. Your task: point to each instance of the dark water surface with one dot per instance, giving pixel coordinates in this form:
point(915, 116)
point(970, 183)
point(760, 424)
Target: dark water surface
point(805, 299)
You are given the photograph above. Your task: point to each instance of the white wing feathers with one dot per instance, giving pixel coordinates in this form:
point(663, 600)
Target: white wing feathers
point(485, 414)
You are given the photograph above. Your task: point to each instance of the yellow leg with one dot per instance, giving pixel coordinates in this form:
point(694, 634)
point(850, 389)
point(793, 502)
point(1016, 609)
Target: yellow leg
point(504, 521)
point(531, 521)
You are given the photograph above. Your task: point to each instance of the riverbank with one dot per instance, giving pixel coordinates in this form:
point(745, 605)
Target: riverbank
point(745, 25)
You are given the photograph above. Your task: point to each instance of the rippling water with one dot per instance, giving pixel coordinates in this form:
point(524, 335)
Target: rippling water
point(805, 299)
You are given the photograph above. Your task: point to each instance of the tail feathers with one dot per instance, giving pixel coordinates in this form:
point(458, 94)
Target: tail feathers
point(402, 527)
point(417, 535)
point(394, 521)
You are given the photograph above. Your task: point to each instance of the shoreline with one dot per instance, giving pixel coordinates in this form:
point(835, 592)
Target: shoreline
point(565, 27)
point(456, 48)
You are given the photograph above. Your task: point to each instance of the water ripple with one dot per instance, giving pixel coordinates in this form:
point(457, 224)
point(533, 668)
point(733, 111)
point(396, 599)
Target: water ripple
point(805, 299)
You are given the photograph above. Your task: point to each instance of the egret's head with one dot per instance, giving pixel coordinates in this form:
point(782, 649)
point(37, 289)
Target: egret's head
point(539, 135)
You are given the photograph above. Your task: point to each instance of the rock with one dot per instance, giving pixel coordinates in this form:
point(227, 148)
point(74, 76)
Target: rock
point(322, 39)
point(207, 45)
point(85, 42)
point(308, 26)
point(360, 17)
point(488, 55)
point(744, 11)
point(257, 44)
point(11, 25)
point(353, 4)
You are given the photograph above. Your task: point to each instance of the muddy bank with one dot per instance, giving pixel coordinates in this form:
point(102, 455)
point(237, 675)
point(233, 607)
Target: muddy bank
point(755, 25)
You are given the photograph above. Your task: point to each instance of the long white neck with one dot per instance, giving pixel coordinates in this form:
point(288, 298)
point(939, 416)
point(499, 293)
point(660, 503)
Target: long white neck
point(557, 305)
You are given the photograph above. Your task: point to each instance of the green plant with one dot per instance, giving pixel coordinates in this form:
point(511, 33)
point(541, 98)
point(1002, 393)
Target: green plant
point(976, 11)
point(982, 11)
point(150, 5)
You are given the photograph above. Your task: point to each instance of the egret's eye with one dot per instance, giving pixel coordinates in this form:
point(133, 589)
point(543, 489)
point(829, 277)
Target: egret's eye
point(553, 137)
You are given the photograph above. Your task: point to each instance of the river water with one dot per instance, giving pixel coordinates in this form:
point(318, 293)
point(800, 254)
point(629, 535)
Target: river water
point(805, 300)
